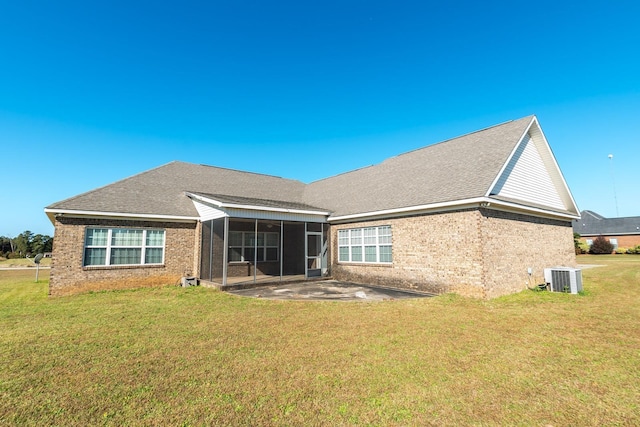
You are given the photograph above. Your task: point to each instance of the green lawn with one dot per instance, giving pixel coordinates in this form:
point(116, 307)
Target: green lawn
point(23, 262)
point(195, 356)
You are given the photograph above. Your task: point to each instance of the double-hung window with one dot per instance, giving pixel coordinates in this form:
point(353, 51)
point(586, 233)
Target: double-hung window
point(242, 246)
point(123, 246)
point(365, 245)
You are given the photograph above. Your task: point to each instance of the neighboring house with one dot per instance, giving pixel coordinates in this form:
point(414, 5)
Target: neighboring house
point(480, 215)
point(620, 232)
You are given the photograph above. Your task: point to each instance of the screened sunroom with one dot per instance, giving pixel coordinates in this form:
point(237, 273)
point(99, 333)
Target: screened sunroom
point(258, 241)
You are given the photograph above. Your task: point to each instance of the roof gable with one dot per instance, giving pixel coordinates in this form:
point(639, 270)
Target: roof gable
point(532, 176)
point(457, 169)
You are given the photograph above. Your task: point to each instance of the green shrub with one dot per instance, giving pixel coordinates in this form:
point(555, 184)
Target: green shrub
point(601, 246)
point(583, 248)
point(621, 250)
point(634, 250)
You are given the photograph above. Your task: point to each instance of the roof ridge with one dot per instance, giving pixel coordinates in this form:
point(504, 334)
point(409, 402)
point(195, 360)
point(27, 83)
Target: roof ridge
point(200, 193)
point(346, 172)
point(594, 214)
point(459, 136)
point(530, 117)
point(244, 171)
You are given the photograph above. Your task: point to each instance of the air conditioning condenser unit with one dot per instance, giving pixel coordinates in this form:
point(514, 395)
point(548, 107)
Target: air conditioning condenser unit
point(564, 279)
point(189, 281)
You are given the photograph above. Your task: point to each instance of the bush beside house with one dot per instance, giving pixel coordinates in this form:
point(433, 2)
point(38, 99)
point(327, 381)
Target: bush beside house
point(601, 246)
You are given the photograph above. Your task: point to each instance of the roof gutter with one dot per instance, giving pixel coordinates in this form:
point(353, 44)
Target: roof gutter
point(476, 202)
point(55, 213)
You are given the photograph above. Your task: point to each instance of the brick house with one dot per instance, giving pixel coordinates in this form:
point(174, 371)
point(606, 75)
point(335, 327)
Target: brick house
point(480, 215)
point(622, 232)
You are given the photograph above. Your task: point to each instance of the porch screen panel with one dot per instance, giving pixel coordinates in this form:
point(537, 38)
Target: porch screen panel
point(217, 250)
point(206, 250)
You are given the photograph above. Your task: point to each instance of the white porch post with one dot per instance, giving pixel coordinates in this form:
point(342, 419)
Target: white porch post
point(255, 252)
point(225, 254)
point(281, 246)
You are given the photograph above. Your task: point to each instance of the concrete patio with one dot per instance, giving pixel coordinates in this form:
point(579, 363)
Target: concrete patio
point(326, 290)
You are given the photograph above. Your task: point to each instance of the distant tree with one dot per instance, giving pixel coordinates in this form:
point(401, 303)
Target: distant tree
point(48, 244)
point(601, 246)
point(22, 243)
point(6, 244)
point(26, 243)
point(40, 244)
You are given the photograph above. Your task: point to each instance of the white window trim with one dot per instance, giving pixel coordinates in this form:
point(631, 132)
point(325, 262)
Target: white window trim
point(347, 234)
point(143, 247)
point(264, 247)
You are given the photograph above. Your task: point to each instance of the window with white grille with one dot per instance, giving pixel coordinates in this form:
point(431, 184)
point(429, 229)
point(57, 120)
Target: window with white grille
point(123, 246)
point(370, 245)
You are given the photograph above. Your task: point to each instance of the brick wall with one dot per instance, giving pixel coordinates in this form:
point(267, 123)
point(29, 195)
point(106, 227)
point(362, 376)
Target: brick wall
point(433, 253)
point(68, 276)
point(512, 243)
point(475, 253)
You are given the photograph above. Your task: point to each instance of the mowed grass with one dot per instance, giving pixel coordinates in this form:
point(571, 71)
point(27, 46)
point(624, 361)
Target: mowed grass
point(23, 262)
point(195, 356)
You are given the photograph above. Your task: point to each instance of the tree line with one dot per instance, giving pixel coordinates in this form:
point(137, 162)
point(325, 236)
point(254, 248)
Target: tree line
point(25, 244)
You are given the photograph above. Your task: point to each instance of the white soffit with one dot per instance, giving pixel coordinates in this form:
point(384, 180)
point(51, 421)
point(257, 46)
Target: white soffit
point(209, 209)
point(207, 212)
point(532, 174)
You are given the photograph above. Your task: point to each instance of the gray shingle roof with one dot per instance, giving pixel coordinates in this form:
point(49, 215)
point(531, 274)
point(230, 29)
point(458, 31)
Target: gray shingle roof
point(593, 224)
point(161, 191)
point(456, 169)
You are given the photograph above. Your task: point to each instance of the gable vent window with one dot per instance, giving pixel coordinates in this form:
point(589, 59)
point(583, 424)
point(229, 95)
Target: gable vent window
point(123, 246)
point(365, 245)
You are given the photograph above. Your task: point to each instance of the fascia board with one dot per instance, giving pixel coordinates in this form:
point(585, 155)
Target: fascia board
point(514, 207)
point(610, 234)
point(220, 204)
point(52, 213)
point(477, 202)
point(557, 167)
point(459, 204)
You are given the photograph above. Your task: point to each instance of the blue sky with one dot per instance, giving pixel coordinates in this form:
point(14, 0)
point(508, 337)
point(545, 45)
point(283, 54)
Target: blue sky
point(93, 92)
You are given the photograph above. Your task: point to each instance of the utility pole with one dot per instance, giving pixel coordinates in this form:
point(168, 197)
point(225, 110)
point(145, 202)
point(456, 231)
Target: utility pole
point(615, 197)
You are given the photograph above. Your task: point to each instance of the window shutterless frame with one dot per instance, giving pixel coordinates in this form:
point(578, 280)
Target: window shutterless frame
point(123, 246)
point(366, 245)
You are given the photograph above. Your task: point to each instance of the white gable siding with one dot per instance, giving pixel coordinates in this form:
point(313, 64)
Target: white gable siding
point(207, 212)
point(527, 178)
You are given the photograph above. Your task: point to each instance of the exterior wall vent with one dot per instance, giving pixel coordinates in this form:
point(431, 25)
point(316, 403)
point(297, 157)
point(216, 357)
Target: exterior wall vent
point(564, 279)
